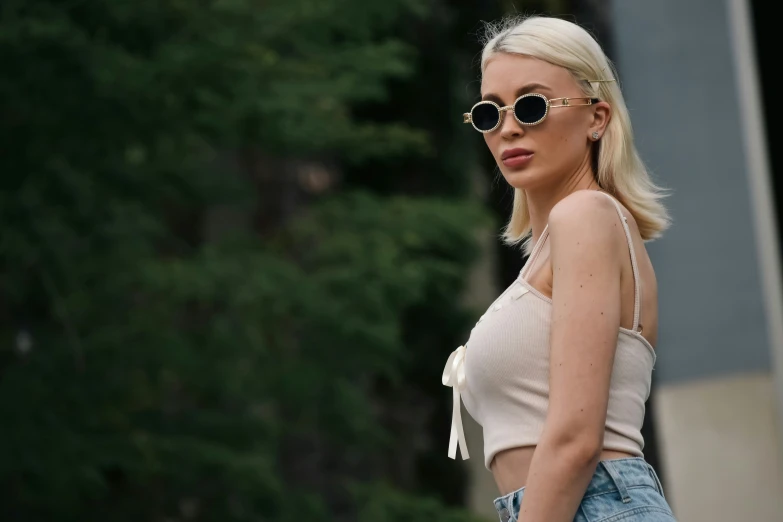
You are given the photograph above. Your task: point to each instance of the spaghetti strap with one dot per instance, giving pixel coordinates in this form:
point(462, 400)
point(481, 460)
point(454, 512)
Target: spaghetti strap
point(635, 267)
point(534, 254)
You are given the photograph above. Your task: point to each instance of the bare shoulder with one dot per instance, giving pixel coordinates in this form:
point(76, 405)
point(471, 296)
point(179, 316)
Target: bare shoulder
point(587, 214)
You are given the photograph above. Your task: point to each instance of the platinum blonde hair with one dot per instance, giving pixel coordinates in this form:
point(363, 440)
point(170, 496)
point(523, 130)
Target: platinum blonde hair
point(619, 169)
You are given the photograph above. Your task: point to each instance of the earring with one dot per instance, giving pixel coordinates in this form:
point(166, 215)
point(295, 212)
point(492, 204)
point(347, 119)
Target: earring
point(595, 135)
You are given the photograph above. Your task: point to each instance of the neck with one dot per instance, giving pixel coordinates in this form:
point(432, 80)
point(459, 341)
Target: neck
point(540, 201)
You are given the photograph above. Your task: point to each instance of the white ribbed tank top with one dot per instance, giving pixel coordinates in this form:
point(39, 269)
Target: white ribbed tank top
point(502, 374)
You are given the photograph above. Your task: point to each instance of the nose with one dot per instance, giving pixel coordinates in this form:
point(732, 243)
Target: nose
point(509, 126)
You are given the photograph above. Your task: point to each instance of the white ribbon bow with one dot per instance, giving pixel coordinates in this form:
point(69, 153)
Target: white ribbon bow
point(454, 377)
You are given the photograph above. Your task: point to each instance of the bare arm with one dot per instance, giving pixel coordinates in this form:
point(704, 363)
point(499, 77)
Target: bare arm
point(586, 264)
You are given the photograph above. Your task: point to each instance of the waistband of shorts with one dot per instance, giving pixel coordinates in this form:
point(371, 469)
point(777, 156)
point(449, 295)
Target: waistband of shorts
point(610, 475)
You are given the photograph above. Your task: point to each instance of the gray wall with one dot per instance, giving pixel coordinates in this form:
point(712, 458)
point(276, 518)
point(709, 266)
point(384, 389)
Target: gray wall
point(677, 73)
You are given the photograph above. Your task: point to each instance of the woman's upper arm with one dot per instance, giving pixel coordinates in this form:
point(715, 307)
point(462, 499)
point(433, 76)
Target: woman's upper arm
point(586, 259)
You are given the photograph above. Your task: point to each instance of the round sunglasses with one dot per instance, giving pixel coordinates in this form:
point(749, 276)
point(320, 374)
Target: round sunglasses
point(529, 109)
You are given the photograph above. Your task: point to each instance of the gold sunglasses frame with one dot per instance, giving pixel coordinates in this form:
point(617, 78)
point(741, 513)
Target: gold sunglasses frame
point(564, 102)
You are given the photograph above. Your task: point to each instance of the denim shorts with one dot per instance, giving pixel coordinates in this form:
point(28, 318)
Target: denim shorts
point(625, 489)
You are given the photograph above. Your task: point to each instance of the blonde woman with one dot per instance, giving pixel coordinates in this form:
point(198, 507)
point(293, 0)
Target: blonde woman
point(557, 371)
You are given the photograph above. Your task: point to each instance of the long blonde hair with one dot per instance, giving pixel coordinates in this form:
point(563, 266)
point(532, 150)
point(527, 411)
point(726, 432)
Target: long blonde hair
point(619, 169)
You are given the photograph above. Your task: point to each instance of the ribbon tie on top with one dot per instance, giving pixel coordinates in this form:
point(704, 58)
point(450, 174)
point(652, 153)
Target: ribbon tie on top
point(454, 377)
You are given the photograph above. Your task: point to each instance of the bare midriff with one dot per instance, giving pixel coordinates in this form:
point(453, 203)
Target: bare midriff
point(510, 467)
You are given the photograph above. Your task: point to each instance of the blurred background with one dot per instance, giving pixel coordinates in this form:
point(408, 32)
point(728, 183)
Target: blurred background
point(240, 239)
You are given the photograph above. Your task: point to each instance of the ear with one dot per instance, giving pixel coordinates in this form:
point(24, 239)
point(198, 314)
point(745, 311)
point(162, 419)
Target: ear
point(602, 113)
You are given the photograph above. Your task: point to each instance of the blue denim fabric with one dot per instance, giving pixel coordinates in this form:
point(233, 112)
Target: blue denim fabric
point(621, 489)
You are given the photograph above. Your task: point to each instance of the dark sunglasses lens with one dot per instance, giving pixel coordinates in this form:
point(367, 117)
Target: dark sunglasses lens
point(485, 116)
point(530, 109)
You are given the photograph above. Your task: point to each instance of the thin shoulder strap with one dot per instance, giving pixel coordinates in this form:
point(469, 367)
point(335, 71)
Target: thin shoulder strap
point(534, 254)
point(637, 305)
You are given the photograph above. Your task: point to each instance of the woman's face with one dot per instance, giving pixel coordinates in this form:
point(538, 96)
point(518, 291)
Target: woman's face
point(555, 149)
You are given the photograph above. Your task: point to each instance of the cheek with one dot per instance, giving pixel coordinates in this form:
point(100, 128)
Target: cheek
point(563, 141)
point(492, 141)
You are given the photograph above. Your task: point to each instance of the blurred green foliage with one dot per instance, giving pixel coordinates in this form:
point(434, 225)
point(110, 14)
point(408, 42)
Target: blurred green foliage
point(284, 369)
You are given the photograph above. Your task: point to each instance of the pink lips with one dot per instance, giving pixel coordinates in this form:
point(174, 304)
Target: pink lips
point(516, 157)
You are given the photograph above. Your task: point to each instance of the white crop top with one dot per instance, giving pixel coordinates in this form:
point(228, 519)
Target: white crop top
point(502, 374)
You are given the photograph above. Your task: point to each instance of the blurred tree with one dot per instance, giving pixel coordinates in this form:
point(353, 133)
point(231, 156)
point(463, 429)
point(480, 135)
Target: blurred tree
point(163, 364)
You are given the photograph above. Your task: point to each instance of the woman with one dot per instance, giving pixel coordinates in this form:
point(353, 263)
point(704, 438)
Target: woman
point(558, 370)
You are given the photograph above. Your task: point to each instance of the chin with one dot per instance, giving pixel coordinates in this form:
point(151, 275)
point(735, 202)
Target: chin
point(522, 179)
